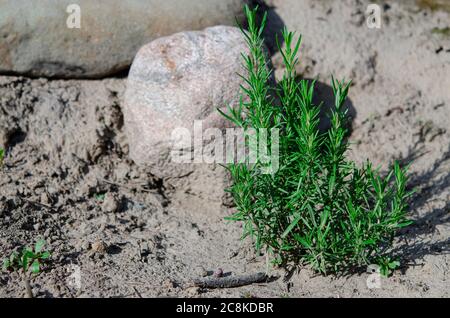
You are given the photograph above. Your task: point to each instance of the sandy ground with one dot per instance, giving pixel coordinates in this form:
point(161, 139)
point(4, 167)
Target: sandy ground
point(66, 176)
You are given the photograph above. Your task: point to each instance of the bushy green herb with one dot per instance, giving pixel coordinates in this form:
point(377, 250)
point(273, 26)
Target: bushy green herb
point(319, 208)
point(27, 259)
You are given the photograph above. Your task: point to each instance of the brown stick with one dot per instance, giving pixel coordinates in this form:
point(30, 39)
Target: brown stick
point(230, 281)
point(137, 292)
point(36, 203)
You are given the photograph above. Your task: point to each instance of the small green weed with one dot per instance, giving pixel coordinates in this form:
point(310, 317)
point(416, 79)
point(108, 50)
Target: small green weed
point(99, 196)
point(28, 259)
point(318, 208)
point(2, 156)
point(387, 265)
point(442, 31)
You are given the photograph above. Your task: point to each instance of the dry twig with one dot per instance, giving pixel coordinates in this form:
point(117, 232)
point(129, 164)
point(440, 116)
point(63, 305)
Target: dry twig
point(230, 281)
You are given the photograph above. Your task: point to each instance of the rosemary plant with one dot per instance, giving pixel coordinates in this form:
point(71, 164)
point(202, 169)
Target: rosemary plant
point(318, 208)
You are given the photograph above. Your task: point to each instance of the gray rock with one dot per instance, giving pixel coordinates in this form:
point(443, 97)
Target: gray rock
point(35, 39)
point(174, 81)
point(99, 247)
point(110, 203)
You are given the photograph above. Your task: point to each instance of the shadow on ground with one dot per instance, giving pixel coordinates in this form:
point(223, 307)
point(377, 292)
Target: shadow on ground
point(427, 185)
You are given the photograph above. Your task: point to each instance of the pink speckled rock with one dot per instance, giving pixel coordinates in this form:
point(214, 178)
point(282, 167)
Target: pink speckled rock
point(176, 80)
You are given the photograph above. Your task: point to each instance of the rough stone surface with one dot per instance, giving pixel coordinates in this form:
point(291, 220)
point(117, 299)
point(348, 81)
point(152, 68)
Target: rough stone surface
point(176, 80)
point(39, 43)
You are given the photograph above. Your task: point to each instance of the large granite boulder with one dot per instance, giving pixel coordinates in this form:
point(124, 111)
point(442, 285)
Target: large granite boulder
point(175, 81)
point(41, 38)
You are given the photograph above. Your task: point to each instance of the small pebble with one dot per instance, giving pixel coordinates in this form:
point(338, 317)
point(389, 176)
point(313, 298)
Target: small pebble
point(85, 245)
point(99, 247)
point(193, 291)
point(110, 203)
point(52, 190)
point(218, 273)
point(44, 198)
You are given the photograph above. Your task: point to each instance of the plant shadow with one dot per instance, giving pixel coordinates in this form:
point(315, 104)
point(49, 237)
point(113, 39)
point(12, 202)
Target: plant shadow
point(414, 245)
